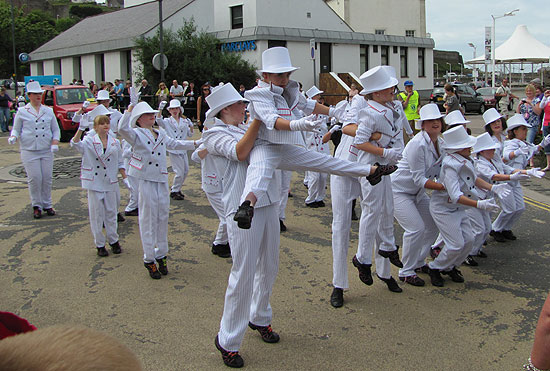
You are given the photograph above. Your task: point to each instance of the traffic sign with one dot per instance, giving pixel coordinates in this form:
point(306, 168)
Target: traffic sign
point(312, 47)
point(24, 58)
point(156, 61)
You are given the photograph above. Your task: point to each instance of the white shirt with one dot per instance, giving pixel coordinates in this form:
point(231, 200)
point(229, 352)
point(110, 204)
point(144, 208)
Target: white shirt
point(486, 170)
point(35, 130)
point(177, 90)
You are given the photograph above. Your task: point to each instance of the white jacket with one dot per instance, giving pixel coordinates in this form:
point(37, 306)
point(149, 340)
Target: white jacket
point(35, 130)
point(458, 175)
point(178, 130)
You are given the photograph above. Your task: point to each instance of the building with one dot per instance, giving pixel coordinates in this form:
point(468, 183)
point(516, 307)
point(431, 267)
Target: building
point(349, 36)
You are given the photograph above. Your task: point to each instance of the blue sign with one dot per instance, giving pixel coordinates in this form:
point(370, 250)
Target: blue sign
point(44, 80)
point(239, 46)
point(24, 58)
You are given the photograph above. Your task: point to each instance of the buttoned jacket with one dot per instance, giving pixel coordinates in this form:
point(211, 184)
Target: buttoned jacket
point(178, 130)
point(35, 130)
point(458, 175)
point(487, 169)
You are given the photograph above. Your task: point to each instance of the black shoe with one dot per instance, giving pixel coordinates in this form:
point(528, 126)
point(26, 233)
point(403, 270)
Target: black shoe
point(471, 261)
point(244, 215)
point(282, 225)
point(102, 251)
point(485, 243)
point(313, 205)
point(51, 212)
point(163, 268)
point(231, 359)
point(177, 196)
point(435, 278)
point(364, 271)
point(267, 333)
point(481, 254)
point(290, 195)
point(36, 212)
point(498, 236)
point(423, 269)
point(392, 284)
point(380, 171)
point(153, 270)
point(354, 215)
point(509, 235)
point(321, 203)
point(120, 218)
point(393, 256)
point(115, 248)
point(413, 280)
point(455, 274)
point(337, 297)
point(223, 251)
point(134, 212)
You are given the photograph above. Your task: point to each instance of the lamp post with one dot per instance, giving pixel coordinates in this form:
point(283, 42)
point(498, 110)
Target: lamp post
point(161, 44)
point(13, 50)
point(471, 45)
point(509, 14)
point(461, 67)
point(436, 70)
point(448, 72)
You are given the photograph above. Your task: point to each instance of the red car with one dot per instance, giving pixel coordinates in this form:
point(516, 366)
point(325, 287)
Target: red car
point(488, 95)
point(65, 101)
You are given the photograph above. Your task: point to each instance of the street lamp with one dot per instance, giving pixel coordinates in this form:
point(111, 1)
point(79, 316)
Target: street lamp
point(461, 67)
point(161, 43)
point(436, 70)
point(471, 45)
point(448, 72)
point(509, 14)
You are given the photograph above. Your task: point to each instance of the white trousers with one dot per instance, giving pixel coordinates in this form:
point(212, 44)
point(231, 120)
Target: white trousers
point(412, 212)
point(265, 158)
point(343, 190)
point(134, 182)
point(376, 224)
point(180, 165)
point(102, 207)
point(255, 254)
point(512, 208)
point(456, 231)
point(154, 207)
point(286, 176)
point(481, 227)
point(317, 187)
point(39, 168)
point(215, 199)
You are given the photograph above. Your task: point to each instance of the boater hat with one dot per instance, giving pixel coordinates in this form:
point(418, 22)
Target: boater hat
point(276, 60)
point(103, 95)
point(455, 118)
point(491, 115)
point(516, 121)
point(457, 138)
point(34, 87)
point(485, 142)
point(313, 91)
point(140, 109)
point(428, 112)
point(175, 103)
point(378, 78)
point(99, 110)
point(222, 97)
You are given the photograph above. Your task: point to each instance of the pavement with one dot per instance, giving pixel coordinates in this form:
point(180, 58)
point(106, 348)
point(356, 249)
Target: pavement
point(50, 274)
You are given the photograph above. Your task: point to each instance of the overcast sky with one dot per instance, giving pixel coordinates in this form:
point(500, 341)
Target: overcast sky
point(454, 26)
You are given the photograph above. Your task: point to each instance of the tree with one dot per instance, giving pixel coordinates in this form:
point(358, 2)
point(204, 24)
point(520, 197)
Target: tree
point(194, 56)
point(85, 10)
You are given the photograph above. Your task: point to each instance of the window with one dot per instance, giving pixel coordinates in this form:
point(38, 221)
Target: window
point(404, 62)
point(375, 48)
point(363, 58)
point(409, 33)
point(384, 55)
point(274, 43)
point(421, 62)
point(236, 17)
point(379, 32)
point(395, 49)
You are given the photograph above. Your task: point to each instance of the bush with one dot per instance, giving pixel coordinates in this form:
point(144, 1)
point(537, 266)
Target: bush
point(85, 10)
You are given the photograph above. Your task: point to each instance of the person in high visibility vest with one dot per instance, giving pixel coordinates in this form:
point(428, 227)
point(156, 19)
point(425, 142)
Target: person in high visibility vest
point(411, 102)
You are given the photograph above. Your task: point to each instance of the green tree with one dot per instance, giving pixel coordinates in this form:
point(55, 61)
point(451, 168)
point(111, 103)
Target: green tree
point(194, 56)
point(85, 10)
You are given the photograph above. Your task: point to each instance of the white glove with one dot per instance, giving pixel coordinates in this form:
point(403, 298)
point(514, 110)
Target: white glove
point(522, 151)
point(12, 139)
point(545, 141)
point(488, 205)
point(54, 148)
point(501, 190)
point(339, 113)
point(519, 176)
point(335, 128)
point(162, 104)
point(392, 154)
point(134, 96)
point(85, 104)
point(126, 182)
point(535, 172)
point(84, 124)
point(303, 125)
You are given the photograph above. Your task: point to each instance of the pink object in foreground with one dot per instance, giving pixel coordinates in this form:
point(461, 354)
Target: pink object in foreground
point(11, 324)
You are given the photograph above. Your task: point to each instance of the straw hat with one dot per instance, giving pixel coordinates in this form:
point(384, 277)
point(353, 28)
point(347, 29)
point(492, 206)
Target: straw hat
point(34, 87)
point(313, 91)
point(457, 138)
point(378, 78)
point(491, 115)
point(484, 142)
point(222, 97)
point(103, 95)
point(140, 109)
point(428, 112)
point(276, 60)
point(516, 121)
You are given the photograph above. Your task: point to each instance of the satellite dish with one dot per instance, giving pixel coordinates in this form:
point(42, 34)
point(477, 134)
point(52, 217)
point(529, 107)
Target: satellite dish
point(156, 61)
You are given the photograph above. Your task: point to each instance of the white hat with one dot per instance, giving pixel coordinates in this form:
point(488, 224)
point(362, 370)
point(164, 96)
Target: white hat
point(175, 103)
point(313, 91)
point(34, 87)
point(276, 60)
point(485, 142)
point(516, 121)
point(491, 115)
point(103, 95)
point(378, 78)
point(140, 109)
point(222, 97)
point(428, 112)
point(99, 110)
point(455, 118)
point(457, 138)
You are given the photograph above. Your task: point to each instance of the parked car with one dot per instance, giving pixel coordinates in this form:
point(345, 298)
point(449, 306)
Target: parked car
point(65, 101)
point(437, 98)
point(488, 95)
point(469, 100)
point(450, 75)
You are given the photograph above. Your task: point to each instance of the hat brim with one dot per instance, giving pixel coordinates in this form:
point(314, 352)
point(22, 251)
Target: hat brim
point(391, 82)
point(278, 70)
point(212, 112)
point(490, 122)
point(493, 146)
point(109, 99)
point(418, 123)
point(36, 92)
point(458, 146)
point(515, 126)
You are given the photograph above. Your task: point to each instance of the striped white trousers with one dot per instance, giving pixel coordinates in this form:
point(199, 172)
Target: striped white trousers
point(102, 208)
point(154, 207)
point(286, 176)
point(512, 208)
point(481, 227)
point(39, 168)
point(215, 199)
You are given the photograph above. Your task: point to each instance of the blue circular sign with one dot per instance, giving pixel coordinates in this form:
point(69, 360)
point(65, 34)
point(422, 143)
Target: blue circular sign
point(24, 58)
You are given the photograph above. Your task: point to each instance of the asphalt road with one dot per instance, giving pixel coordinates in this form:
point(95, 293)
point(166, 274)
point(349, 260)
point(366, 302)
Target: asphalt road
point(49, 274)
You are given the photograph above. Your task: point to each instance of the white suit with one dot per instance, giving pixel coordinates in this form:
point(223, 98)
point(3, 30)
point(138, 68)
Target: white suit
point(317, 182)
point(35, 132)
point(134, 182)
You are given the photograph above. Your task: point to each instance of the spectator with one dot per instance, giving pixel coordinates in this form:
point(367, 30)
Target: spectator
point(80, 82)
point(505, 96)
point(191, 97)
point(185, 86)
point(111, 89)
point(119, 91)
point(202, 106)
point(163, 93)
point(126, 94)
point(242, 89)
point(73, 82)
point(4, 109)
point(529, 108)
point(353, 91)
point(176, 91)
point(451, 102)
point(146, 91)
point(93, 87)
point(410, 99)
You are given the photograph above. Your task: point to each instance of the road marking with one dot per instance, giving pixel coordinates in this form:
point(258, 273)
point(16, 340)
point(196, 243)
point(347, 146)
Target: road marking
point(535, 203)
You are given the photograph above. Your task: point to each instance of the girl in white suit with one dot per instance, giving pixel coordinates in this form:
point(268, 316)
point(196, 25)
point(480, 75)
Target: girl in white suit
point(416, 172)
point(177, 127)
point(101, 162)
point(148, 164)
point(36, 128)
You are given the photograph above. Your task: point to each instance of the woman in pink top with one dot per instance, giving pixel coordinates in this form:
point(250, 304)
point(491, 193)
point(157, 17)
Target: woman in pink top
point(545, 105)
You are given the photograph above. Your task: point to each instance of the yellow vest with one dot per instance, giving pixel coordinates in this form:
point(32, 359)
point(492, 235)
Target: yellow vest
point(410, 111)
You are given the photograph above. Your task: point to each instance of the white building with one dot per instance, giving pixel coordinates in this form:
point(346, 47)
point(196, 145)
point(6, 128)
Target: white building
point(350, 36)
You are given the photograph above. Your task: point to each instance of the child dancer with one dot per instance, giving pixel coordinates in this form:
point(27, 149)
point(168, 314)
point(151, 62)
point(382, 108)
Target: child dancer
point(101, 162)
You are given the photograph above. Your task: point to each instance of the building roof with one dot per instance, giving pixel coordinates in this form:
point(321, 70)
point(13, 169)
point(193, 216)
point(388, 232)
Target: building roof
point(108, 31)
